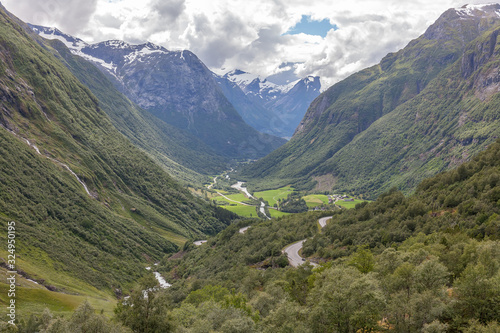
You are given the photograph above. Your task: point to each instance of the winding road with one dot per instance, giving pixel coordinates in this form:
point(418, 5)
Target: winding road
point(322, 221)
point(292, 251)
point(244, 229)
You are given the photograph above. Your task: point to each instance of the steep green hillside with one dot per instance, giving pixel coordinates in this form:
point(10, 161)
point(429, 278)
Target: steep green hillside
point(88, 205)
point(413, 115)
point(179, 152)
point(454, 118)
point(429, 262)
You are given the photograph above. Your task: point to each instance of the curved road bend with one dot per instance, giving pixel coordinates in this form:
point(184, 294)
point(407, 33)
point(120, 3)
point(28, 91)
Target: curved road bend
point(292, 251)
point(322, 221)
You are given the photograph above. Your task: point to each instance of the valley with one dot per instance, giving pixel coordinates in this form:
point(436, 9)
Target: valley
point(269, 203)
point(146, 189)
point(397, 122)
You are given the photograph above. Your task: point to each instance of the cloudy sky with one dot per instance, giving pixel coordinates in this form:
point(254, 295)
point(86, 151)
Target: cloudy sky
point(329, 38)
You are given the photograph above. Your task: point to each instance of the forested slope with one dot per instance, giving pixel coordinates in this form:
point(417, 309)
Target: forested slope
point(422, 110)
point(429, 262)
point(55, 139)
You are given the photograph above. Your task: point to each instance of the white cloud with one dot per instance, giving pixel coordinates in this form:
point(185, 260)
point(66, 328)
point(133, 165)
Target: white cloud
point(248, 34)
point(68, 15)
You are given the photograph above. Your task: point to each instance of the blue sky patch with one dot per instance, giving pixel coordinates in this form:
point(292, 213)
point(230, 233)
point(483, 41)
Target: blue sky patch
point(311, 27)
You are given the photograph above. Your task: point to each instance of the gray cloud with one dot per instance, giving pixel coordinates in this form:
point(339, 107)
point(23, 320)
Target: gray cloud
point(109, 20)
point(354, 46)
point(248, 35)
point(267, 42)
point(169, 10)
point(264, 54)
point(214, 42)
point(69, 15)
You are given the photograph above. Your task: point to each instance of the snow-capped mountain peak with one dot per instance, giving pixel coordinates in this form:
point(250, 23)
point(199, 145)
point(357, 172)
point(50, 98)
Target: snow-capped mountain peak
point(53, 33)
point(115, 44)
point(482, 10)
point(256, 85)
point(111, 54)
point(281, 106)
point(284, 104)
point(241, 78)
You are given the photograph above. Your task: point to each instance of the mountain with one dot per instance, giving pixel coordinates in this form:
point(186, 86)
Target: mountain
point(90, 209)
point(269, 107)
point(182, 155)
point(428, 262)
point(421, 110)
point(176, 87)
point(254, 114)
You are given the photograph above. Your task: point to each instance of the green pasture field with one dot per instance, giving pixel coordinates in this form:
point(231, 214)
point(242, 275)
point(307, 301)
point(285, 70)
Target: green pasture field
point(272, 196)
point(314, 200)
point(246, 211)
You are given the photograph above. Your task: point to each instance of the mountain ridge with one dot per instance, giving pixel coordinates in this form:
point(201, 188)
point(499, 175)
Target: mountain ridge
point(269, 107)
point(177, 88)
point(182, 154)
point(328, 140)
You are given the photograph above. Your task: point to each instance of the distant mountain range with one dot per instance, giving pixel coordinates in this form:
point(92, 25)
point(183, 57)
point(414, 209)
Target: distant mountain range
point(269, 107)
point(176, 87)
point(421, 110)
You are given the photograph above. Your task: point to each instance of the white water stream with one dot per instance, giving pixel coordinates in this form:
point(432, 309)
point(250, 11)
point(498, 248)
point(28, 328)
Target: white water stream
point(56, 161)
point(239, 187)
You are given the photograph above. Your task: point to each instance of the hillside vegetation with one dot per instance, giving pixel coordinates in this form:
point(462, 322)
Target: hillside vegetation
point(429, 262)
point(422, 110)
point(54, 139)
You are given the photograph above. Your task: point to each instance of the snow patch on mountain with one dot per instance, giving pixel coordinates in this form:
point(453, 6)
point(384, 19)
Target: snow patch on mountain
point(146, 50)
point(54, 33)
point(116, 44)
point(478, 10)
point(254, 84)
point(109, 66)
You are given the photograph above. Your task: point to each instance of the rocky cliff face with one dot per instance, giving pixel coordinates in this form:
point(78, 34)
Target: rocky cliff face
point(269, 107)
point(423, 109)
point(176, 87)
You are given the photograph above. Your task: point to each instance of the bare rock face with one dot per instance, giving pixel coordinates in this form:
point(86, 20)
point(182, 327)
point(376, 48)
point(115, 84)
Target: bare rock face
point(421, 110)
point(177, 88)
point(269, 107)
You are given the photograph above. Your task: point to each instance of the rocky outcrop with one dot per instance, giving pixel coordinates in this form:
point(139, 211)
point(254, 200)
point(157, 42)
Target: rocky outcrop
point(269, 107)
point(176, 87)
